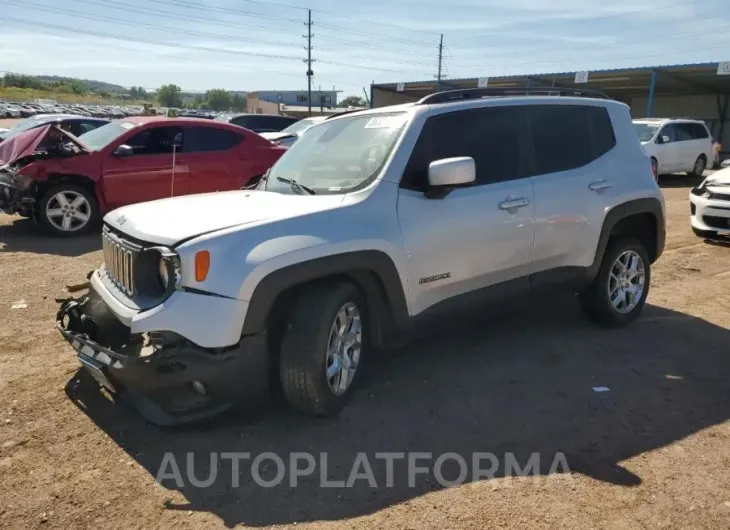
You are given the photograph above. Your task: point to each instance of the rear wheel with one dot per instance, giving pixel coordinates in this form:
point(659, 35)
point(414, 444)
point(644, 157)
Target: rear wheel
point(618, 293)
point(67, 210)
point(699, 167)
point(322, 349)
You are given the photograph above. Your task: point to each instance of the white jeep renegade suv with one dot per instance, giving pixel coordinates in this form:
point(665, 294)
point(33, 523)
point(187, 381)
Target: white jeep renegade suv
point(372, 225)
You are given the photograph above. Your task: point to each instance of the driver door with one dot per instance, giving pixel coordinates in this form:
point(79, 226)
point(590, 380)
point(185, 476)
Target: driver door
point(147, 173)
point(478, 240)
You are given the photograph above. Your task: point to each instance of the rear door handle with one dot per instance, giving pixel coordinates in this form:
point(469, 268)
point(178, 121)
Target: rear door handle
point(512, 204)
point(599, 185)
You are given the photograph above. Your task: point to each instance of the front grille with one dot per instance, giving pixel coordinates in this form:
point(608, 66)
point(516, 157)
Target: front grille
point(119, 263)
point(722, 223)
point(719, 196)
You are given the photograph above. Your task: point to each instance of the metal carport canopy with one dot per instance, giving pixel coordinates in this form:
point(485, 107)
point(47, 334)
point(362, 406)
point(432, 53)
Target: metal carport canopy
point(621, 84)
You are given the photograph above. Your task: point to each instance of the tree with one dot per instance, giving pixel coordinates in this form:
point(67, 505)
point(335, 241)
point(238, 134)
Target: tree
point(353, 101)
point(169, 96)
point(218, 99)
point(238, 102)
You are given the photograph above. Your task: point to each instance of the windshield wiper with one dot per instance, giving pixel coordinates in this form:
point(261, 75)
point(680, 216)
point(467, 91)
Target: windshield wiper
point(296, 186)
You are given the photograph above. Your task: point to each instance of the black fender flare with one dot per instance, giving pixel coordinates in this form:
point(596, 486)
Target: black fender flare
point(372, 271)
point(651, 206)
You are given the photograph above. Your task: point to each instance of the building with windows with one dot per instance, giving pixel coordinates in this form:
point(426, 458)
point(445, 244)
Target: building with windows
point(699, 91)
point(266, 101)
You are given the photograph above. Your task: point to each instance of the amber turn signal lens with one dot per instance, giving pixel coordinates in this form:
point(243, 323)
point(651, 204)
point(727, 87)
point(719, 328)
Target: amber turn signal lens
point(202, 265)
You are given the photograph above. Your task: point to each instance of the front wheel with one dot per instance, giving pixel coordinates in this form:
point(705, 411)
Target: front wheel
point(67, 210)
point(322, 348)
point(618, 293)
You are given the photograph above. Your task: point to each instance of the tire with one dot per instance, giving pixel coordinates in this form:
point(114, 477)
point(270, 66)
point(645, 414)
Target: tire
point(79, 202)
point(595, 299)
point(305, 345)
point(699, 167)
point(705, 234)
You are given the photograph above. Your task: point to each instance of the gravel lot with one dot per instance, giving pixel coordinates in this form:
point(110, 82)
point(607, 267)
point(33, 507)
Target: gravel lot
point(654, 451)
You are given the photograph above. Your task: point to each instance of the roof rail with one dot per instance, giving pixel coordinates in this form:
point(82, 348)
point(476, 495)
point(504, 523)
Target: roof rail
point(448, 96)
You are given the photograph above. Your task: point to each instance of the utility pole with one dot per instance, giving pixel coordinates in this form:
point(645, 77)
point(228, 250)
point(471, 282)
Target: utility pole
point(441, 55)
point(310, 73)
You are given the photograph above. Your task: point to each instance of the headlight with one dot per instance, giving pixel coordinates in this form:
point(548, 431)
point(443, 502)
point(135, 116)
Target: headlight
point(163, 271)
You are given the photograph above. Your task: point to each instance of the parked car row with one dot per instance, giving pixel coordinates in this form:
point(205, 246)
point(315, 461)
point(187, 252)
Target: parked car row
point(25, 110)
point(76, 125)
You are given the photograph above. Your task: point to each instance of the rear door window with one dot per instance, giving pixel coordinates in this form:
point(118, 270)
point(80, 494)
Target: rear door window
point(684, 132)
point(561, 139)
point(206, 139)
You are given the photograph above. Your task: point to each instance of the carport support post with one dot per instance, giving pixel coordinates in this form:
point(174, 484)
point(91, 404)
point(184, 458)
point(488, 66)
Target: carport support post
point(650, 103)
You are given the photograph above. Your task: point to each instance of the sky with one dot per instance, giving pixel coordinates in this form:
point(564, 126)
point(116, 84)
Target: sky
point(259, 45)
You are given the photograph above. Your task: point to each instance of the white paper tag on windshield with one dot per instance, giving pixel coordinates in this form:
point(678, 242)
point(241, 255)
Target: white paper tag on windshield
point(384, 122)
point(127, 125)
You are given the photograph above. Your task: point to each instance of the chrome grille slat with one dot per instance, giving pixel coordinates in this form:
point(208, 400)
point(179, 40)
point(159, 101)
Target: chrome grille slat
point(119, 264)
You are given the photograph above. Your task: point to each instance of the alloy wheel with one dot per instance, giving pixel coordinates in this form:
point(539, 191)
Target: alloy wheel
point(68, 211)
point(343, 349)
point(626, 282)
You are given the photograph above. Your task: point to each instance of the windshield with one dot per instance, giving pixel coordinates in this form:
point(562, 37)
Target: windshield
point(338, 156)
point(101, 137)
point(646, 131)
point(302, 125)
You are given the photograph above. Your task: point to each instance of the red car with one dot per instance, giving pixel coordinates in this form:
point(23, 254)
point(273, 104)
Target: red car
point(68, 183)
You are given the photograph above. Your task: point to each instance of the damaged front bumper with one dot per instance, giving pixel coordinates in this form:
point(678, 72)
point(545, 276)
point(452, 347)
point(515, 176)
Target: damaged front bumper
point(168, 379)
point(15, 195)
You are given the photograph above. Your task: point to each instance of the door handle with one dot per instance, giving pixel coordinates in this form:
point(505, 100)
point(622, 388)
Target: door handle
point(599, 185)
point(511, 204)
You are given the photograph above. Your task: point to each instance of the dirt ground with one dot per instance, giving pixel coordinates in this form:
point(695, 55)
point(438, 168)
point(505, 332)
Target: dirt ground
point(8, 123)
point(654, 451)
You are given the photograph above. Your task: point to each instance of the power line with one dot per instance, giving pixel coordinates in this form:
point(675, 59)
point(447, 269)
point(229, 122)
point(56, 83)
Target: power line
point(144, 41)
point(190, 18)
point(167, 15)
point(368, 45)
point(380, 36)
point(195, 5)
point(188, 46)
point(142, 24)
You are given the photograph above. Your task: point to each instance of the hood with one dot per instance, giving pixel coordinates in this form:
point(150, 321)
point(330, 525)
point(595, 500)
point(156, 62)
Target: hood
point(169, 221)
point(721, 178)
point(25, 144)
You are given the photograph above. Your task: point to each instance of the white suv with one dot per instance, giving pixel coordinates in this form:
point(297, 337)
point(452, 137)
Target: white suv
point(372, 226)
point(676, 145)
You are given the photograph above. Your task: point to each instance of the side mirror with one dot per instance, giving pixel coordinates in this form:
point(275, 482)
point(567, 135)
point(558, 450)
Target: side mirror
point(448, 173)
point(663, 140)
point(123, 150)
